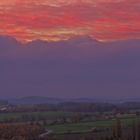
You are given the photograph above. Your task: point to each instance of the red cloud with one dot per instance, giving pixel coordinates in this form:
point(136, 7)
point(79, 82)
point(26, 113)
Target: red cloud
point(105, 20)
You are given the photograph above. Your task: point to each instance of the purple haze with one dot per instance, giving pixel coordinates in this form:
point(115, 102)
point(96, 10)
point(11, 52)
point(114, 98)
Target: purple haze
point(81, 67)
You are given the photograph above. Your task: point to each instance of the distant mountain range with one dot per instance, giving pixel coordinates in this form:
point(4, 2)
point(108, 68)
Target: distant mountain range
point(33, 100)
point(47, 100)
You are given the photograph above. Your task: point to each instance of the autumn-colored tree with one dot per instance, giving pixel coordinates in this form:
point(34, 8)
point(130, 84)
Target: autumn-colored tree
point(118, 129)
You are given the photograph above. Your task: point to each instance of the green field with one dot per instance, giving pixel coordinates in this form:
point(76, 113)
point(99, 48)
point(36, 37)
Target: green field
point(88, 126)
point(35, 115)
point(80, 127)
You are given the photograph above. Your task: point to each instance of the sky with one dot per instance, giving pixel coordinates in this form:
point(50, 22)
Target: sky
point(70, 49)
point(104, 20)
point(78, 68)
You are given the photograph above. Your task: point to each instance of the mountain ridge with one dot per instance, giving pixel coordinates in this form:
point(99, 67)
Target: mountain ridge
point(53, 100)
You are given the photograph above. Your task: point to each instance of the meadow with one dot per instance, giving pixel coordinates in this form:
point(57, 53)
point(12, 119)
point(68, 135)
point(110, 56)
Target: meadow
point(57, 121)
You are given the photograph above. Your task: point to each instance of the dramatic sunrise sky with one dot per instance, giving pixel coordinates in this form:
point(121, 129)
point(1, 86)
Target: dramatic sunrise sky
point(90, 48)
point(55, 20)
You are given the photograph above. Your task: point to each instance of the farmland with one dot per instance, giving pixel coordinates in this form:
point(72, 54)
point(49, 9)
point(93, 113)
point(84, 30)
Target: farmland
point(69, 122)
